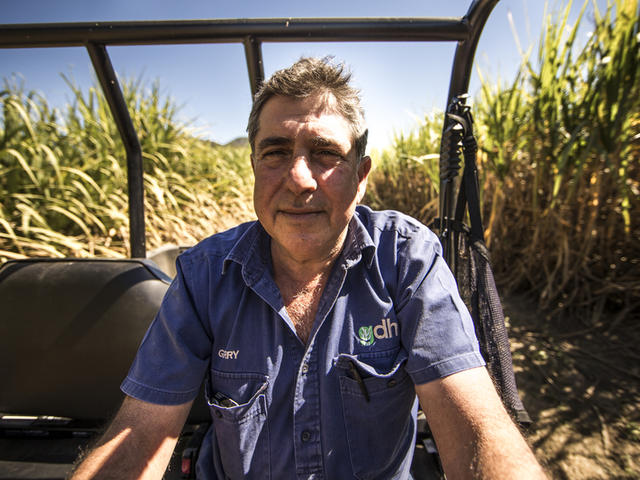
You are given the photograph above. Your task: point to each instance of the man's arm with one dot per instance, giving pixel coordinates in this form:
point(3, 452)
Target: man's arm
point(137, 444)
point(475, 436)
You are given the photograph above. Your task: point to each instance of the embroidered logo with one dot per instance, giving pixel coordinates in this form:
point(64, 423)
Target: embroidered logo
point(385, 329)
point(365, 335)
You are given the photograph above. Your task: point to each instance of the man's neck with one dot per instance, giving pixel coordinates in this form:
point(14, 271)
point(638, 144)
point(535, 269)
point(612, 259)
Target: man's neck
point(302, 272)
point(306, 266)
point(301, 282)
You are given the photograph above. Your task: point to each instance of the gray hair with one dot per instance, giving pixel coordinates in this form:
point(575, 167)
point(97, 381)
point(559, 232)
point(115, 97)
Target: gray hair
point(309, 76)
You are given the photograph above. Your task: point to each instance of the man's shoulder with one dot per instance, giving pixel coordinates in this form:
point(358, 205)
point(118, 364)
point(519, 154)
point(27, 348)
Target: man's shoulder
point(394, 221)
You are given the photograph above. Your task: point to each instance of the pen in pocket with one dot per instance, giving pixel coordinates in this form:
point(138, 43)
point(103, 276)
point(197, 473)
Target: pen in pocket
point(222, 400)
point(358, 378)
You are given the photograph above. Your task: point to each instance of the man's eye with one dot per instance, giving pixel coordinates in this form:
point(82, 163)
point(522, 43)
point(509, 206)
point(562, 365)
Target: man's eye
point(274, 153)
point(329, 155)
point(274, 156)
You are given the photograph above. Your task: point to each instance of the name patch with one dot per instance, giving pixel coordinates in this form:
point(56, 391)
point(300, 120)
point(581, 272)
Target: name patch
point(228, 354)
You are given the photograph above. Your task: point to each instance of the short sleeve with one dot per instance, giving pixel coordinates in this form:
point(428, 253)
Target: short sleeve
point(440, 336)
point(174, 354)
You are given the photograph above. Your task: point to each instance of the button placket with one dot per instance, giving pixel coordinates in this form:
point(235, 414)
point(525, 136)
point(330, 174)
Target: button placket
point(306, 416)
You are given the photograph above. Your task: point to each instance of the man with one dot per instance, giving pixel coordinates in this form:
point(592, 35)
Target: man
point(313, 328)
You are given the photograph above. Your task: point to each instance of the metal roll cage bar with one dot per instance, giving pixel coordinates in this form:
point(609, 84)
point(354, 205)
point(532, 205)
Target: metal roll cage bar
point(95, 37)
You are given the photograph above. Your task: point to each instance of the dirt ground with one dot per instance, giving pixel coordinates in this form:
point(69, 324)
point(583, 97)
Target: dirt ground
point(581, 386)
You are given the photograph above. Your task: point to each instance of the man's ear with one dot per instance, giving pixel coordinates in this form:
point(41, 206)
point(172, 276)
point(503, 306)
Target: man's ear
point(363, 173)
point(364, 168)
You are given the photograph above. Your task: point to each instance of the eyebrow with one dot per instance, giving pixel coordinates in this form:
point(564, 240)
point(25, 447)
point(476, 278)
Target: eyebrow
point(271, 141)
point(322, 142)
point(285, 141)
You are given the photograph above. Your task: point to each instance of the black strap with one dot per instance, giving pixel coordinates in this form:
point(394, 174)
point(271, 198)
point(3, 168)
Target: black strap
point(470, 259)
point(468, 195)
point(458, 138)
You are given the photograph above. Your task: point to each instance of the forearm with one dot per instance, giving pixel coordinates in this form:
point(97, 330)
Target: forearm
point(493, 448)
point(474, 434)
point(120, 456)
point(138, 443)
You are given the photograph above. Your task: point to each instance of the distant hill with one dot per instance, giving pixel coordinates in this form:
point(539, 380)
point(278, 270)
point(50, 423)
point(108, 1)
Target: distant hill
point(238, 142)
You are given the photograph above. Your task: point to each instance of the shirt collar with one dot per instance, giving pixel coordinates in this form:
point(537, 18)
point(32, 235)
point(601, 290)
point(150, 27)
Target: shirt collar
point(358, 244)
point(252, 250)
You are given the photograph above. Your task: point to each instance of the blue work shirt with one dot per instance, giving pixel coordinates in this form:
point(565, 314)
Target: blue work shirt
point(343, 405)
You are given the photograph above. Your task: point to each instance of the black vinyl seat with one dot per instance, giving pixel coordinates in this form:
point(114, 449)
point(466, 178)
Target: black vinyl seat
point(69, 329)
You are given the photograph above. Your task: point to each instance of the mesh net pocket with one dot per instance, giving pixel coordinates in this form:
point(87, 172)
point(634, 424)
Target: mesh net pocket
point(478, 290)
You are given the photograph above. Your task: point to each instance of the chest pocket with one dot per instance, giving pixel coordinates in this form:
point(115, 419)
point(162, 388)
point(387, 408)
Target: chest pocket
point(238, 406)
point(377, 404)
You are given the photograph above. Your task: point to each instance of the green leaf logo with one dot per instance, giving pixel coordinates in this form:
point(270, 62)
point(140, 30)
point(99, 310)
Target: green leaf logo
point(365, 335)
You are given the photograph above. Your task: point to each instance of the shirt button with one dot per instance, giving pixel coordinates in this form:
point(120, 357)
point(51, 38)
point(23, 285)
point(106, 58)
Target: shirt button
point(218, 413)
point(306, 436)
point(391, 383)
point(305, 368)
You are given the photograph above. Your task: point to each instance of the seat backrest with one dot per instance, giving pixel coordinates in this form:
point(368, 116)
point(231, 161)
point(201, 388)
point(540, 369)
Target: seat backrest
point(69, 329)
point(165, 258)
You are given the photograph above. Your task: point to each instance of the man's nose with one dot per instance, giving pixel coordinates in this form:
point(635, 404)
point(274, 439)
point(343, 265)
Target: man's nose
point(300, 176)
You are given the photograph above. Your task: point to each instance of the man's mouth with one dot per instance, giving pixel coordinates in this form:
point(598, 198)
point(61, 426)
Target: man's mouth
point(299, 213)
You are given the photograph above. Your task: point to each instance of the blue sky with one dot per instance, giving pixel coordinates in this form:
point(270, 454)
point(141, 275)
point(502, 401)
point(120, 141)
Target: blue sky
point(400, 82)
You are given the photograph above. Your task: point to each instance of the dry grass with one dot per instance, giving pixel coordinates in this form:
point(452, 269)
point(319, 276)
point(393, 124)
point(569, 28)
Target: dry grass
point(63, 176)
point(560, 171)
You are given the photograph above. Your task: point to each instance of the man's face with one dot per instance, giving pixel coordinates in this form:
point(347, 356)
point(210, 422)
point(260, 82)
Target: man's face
point(307, 178)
